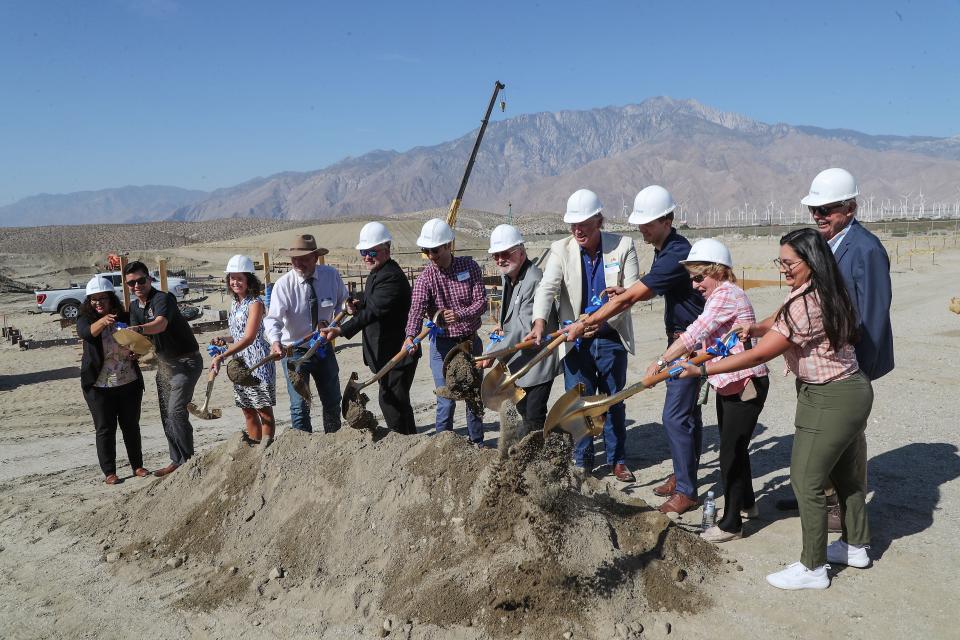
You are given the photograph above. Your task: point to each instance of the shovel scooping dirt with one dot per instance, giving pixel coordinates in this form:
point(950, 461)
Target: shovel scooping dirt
point(462, 379)
point(204, 412)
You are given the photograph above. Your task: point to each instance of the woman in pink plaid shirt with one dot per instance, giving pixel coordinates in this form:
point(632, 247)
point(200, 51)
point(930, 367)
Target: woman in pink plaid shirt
point(740, 394)
point(815, 331)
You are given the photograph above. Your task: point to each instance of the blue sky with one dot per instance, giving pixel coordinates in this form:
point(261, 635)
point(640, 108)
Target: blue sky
point(204, 95)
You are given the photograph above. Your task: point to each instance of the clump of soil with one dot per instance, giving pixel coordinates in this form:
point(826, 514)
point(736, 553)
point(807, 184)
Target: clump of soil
point(512, 427)
point(355, 528)
point(463, 382)
point(358, 416)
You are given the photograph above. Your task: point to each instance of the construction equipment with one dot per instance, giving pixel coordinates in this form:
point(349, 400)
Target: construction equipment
point(351, 393)
point(584, 416)
point(455, 205)
point(204, 412)
point(499, 385)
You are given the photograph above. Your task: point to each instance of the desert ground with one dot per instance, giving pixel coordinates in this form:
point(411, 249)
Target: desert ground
point(342, 535)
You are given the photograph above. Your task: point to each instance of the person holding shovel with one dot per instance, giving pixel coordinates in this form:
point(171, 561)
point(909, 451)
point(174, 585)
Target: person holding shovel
point(815, 331)
point(452, 285)
point(653, 211)
point(579, 269)
point(520, 280)
point(386, 297)
point(303, 300)
point(155, 314)
point(110, 379)
point(247, 341)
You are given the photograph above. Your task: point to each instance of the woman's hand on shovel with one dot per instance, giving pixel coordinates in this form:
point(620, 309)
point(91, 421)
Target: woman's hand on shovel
point(330, 333)
point(215, 364)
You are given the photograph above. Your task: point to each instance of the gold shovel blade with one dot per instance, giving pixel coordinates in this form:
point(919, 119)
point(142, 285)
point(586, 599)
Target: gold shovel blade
point(211, 414)
point(494, 391)
point(351, 393)
point(577, 415)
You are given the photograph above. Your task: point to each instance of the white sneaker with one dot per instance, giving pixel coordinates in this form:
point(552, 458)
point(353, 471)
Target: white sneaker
point(840, 552)
point(797, 576)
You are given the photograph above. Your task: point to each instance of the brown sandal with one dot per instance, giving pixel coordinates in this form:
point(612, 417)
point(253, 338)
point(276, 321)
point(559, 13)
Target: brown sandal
point(112, 479)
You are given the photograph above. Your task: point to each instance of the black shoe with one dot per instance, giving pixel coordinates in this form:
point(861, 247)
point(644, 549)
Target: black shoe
point(787, 504)
point(248, 440)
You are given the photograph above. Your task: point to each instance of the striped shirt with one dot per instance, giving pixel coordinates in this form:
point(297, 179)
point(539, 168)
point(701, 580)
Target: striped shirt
point(810, 357)
point(726, 307)
point(458, 288)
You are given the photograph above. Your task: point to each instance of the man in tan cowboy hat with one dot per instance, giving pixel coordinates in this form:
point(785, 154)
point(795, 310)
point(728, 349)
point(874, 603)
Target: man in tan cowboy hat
point(302, 300)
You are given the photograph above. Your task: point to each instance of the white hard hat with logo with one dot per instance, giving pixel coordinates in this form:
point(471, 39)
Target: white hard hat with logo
point(650, 204)
point(99, 284)
point(372, 235)
point(831, 185)
point(239, 264)
point(709, 250)
point(435, 233)
point(582, 205)
point(504, 237)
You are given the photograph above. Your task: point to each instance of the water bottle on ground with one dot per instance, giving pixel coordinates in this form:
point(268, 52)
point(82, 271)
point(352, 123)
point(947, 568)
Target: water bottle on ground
point(709, 512)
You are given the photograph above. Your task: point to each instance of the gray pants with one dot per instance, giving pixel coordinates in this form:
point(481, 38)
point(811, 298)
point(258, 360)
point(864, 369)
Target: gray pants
point(176, 378)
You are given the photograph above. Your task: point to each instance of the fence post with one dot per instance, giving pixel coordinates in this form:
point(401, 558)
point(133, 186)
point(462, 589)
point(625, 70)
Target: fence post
point(123, 279)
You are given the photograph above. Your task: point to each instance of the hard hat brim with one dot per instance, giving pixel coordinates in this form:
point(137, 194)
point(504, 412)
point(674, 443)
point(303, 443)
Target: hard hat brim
point(573, 218)
point(812, 200)
point(640, 218)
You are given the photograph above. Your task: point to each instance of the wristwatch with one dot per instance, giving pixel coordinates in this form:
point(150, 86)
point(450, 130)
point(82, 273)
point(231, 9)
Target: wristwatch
point(661, 363)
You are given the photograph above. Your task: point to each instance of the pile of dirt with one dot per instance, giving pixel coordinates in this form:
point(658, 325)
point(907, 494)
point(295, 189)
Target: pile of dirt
point(426, 531)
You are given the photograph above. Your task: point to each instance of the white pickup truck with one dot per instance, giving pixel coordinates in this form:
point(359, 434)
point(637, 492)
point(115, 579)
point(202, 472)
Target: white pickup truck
point(67, 302)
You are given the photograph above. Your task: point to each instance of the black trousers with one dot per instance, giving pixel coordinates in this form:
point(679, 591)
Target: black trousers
point(110, 407)
point(395, 399)
point(738, 420)
point(533, 407)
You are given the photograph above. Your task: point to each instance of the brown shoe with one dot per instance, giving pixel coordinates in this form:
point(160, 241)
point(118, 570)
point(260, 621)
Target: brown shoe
point(668, 488)
point(170, 468)
point(112, 479)
point(833, 519)
point(678, 503)
point(140, 472)
point(623, 474)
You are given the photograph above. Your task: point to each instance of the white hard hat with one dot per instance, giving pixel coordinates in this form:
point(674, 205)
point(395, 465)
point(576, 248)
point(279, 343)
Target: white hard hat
point(99, 284)
point(435, 233)
point(583, 204)
point(240, 264)
point(373, 234)
point(650, 204)
point(504, 237)
point(831, 185)
point(709, 250)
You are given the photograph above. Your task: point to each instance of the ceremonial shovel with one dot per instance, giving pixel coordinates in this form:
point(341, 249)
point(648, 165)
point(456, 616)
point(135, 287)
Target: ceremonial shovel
point(204, 413)
point(498, 387)
point(584, 416)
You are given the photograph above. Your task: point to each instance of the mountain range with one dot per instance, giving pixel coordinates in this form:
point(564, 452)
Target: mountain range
point(711, 160)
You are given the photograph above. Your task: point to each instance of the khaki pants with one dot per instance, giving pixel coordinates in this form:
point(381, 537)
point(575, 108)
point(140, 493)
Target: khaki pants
point(829, 447)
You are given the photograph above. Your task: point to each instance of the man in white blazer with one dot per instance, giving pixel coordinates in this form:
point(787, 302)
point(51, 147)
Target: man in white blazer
point(578, 270)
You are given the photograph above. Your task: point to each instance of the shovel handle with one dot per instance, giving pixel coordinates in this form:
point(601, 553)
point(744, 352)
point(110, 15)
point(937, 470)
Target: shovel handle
point(520, 346)
point(395, 360)
point(260, 363)
point(550, 348)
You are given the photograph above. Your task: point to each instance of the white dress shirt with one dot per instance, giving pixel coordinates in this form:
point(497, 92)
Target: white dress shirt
point(289, 317)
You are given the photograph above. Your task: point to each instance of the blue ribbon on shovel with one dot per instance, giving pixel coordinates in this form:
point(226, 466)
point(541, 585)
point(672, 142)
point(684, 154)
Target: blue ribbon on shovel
point(213, 350)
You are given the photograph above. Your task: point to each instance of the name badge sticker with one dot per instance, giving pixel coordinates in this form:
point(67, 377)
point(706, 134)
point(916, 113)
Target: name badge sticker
point(463, 276)
point(326, 302)
point(612, 266)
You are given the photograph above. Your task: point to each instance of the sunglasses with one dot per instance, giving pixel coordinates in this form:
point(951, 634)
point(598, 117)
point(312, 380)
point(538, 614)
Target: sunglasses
point(368, 253)
point(825, 210)
point(142, 280)
point(501, 255)
point(698, 278)
point(431, 250)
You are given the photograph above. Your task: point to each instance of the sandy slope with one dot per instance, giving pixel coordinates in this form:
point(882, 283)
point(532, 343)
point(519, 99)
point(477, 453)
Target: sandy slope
point(55, 584)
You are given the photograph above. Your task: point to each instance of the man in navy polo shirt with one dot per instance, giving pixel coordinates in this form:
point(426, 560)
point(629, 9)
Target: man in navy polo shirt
point(653, 211)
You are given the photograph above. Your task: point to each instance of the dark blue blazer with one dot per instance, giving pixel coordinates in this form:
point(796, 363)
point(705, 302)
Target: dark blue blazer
point(865, 268)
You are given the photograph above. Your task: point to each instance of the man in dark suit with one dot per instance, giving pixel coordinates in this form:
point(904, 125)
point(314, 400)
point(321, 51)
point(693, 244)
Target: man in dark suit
point(381, 317)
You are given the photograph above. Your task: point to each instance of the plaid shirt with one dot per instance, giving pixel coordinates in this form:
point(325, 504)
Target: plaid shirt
point(727, 306)
point(458, 288)
point(811, 358)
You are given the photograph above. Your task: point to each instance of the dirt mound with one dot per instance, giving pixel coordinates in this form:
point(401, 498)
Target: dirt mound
point(352, 528)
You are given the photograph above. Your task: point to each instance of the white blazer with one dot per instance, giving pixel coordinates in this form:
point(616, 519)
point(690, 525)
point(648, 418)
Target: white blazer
point(563, 279)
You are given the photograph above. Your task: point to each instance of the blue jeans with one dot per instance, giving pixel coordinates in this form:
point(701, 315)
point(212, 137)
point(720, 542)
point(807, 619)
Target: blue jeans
point(326, 375)
point(684, 428)
point(445, 406)
point(600, 364)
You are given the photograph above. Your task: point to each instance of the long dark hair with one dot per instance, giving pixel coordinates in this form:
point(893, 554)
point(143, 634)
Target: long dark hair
point(839, 315)
point(88, 312)
point(254, 286)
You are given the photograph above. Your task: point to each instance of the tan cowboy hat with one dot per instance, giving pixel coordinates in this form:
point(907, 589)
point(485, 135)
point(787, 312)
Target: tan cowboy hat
point(303, 245)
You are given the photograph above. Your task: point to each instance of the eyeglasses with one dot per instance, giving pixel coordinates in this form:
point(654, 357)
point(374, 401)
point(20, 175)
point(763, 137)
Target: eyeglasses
point(431, 250)
point(786, 264)
point(825, 210)
point(502, 255)
point(368, 253)
point(698, 278)
point(142, 280)
point(99, 299)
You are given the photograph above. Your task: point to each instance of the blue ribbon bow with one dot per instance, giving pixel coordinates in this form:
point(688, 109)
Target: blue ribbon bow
point(495, 338)
point(435, 331)
point(595, 303)
point(120, 325)
point(720, 349)
point(214, 351)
